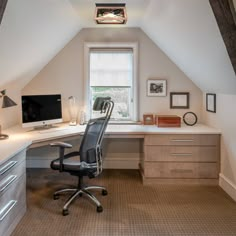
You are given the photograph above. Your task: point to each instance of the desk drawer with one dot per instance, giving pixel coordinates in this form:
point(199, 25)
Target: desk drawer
point(9, 179)
point(182, 153)
point(181, 170)
point(182, 139)
point(12, 206)
point(10, 165)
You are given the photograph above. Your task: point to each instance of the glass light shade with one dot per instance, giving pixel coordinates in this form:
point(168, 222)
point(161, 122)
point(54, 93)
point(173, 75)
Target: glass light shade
point(73, 108)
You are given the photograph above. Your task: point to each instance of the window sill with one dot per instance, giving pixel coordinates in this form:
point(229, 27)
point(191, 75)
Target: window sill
point(113, 122)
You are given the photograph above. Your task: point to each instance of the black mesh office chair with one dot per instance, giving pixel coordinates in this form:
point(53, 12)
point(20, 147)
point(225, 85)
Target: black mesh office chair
point(90, 155)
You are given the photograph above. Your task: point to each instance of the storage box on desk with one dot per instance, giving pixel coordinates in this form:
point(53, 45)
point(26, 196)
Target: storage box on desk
point(168, 121)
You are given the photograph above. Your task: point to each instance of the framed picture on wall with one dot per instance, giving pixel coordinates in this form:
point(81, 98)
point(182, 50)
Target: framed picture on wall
point(156, 87)
point(211, 102)
point(179, 100)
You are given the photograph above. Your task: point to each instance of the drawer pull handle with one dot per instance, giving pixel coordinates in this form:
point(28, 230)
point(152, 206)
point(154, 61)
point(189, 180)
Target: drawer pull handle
point(6, 182)
point(7, 167)
point(181, 154)
point(6, 209)
point(181, 171)
point(182, 140)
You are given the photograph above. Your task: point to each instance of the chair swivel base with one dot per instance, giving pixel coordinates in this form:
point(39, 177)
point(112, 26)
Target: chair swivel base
point(80, 192)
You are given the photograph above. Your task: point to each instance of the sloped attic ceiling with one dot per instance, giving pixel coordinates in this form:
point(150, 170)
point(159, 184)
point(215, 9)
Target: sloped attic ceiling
point(188, 33)
point(32, 32)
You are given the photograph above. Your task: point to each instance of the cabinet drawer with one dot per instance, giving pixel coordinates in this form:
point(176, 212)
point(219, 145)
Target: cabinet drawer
point(12, 206)
point(181, 170)
point(182, 139)
point(182, 153)
point(9, 179)
point(10, 165)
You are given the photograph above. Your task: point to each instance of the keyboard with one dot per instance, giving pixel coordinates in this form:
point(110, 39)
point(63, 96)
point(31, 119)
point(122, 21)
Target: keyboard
point(51, 130)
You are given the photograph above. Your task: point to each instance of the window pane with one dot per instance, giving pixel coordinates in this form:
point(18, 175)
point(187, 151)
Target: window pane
point(111, 68)
point(121, 98)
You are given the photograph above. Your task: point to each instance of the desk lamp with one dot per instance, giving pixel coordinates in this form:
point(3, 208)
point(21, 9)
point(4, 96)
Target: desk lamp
point(6, 102)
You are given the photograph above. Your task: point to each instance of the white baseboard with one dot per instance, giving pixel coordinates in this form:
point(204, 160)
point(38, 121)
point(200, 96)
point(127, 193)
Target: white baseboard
point(227, 186)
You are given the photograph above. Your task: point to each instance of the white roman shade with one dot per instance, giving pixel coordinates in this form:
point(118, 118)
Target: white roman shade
point(111, 67)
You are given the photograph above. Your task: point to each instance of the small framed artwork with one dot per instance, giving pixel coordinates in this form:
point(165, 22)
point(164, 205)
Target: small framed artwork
point(211, 102)
point(148, 119)
point(156, 87)
point(179, 100)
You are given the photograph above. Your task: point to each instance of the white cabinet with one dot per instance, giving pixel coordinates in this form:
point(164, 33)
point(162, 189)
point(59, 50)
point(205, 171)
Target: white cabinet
point(12, 192)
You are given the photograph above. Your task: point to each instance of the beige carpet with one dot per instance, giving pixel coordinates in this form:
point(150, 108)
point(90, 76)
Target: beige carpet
point(129, 209)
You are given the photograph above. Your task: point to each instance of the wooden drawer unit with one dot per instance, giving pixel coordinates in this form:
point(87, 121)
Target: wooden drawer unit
point(180, 157)
point(181, 170)
point(182, 139)
point(182, 153)
point(12, 192)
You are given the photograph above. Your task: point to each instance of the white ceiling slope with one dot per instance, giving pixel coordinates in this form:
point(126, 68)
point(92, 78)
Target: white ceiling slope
point(34, 31)
point(186, 30)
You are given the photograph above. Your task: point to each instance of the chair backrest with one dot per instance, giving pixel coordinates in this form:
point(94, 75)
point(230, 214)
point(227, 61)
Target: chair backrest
point(91, 145)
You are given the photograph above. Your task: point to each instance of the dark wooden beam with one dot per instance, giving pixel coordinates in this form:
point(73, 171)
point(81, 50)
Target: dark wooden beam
point(3, 4)
point(225, 15)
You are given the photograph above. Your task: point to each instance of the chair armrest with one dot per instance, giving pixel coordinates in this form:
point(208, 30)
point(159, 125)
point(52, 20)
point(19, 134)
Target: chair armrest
point(61, 144)
point(62, 147)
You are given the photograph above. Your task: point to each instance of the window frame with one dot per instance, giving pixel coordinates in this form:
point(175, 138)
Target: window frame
point(134, 47)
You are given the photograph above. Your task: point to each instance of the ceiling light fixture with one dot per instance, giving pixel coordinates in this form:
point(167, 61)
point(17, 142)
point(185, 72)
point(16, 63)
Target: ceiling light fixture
point(110, 13)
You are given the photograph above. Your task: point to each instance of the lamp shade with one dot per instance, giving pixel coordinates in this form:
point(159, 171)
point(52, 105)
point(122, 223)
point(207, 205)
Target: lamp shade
point(7, 102)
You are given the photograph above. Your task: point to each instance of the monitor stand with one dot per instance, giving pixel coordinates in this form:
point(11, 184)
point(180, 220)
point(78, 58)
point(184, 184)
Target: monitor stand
point(45, 127)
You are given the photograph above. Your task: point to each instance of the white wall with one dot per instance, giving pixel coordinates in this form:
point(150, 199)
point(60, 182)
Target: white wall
point(225, 119)
point(31, 34)
point(187, 31)
point(234, 2)
point(64, 74)
point(10, 116)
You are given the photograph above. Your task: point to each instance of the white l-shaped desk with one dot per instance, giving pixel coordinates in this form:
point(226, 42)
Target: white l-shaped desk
point(20, 139)
point(189, 154)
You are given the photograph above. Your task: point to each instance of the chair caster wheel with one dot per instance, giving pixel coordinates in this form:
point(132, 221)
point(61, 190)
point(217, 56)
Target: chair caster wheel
point(104, 192)
point(55, 196)
point(99, 209)
point(65, 212)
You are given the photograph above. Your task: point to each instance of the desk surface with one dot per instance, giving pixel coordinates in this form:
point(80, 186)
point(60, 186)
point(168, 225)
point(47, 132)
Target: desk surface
point(20, 138)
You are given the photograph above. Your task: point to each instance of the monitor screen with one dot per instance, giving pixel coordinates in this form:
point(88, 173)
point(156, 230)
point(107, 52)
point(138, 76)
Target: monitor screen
point(38, 110)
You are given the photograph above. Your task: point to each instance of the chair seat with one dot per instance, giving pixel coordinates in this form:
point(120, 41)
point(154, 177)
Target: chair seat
point(73, 166)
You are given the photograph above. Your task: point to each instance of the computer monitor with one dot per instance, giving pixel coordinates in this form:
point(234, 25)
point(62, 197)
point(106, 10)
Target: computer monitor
point(41, 110)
